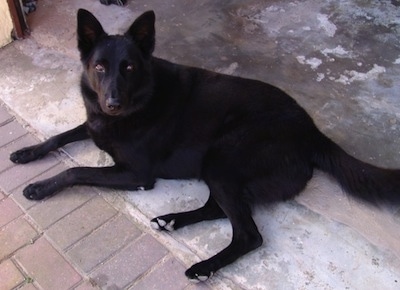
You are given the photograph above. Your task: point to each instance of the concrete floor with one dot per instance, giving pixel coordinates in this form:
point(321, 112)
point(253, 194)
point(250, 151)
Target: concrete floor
point(338, 59)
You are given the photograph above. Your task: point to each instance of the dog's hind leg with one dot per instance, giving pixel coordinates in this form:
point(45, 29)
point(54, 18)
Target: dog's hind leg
point(227, 193)
point(173, 221)
point(34, 152)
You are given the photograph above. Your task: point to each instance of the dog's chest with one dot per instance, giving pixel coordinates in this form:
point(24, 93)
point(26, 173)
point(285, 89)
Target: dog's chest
point(118, 137)
point(106, 134)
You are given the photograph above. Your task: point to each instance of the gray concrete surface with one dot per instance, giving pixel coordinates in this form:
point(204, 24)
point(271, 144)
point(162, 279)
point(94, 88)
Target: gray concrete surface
point(338, 59)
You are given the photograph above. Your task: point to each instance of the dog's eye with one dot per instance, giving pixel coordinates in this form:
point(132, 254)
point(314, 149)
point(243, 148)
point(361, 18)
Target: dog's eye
point(100, 68)
point(129, 67)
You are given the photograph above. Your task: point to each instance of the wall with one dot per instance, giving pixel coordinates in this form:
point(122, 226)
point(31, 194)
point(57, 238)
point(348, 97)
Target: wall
point(6, 24)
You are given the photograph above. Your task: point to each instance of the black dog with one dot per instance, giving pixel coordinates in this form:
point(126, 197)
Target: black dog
point(249, 141)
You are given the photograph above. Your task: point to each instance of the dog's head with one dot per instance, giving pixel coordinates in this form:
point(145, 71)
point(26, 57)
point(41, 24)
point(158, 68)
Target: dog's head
point(117, 68)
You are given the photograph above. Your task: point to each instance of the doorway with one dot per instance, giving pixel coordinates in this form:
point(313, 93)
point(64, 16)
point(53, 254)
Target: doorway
point(12, 21)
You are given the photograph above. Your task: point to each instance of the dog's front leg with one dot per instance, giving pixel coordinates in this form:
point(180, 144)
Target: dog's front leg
point(111, 177)
point(34, 152)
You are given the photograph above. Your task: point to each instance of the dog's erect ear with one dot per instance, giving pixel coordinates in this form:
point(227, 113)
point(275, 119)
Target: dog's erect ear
point(89, 32)
point(143, 33)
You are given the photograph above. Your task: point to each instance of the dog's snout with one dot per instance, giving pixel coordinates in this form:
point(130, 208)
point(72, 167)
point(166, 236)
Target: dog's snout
point(113, 104)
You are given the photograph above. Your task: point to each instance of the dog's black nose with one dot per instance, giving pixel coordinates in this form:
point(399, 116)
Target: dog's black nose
point(113, 104)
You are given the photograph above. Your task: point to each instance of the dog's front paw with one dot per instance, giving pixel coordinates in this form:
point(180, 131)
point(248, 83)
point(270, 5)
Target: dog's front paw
point(37, 191)
point(199, 272)
point(24, 155)
point(162, 224)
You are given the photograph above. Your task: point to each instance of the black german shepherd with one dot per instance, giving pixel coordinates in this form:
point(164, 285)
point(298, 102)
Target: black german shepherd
point(248, 140)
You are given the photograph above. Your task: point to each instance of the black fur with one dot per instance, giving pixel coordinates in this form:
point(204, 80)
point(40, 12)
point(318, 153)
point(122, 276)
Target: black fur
point(249, 141)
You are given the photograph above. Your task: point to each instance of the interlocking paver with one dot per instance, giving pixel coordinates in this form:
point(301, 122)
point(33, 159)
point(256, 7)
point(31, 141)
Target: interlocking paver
point(129, 263)
point(9, 211)
point(17, 175)
point(10, 132)
point(163, 278)
point(15, 235)
point(46, 266)
point(80, 222)
point(10, 276)
point(104, 242)
point(4, 115)
point(28, 286)
point(23, 201)
point(15, 145)
point(87, 285)
point(54, 208)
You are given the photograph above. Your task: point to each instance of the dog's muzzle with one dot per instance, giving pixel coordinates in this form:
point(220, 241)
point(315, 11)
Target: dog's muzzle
point(113, 105)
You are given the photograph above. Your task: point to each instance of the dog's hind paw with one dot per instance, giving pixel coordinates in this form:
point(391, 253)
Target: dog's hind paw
point(198, 273)
point(198, 279)
point(162, 225)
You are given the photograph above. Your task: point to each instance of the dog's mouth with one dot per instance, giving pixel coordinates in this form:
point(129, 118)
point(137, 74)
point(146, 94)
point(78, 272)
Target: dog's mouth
point(112, 111)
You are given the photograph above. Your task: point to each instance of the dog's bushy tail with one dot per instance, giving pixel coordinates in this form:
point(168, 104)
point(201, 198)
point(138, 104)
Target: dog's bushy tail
point(361, 180)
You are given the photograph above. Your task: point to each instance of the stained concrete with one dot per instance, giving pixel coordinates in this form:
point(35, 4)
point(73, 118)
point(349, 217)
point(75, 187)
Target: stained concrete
point(339, 59)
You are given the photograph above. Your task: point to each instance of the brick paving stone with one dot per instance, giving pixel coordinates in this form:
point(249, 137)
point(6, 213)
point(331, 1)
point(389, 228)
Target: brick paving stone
point(104, 242)
point(10, 132)
point(167, 276)
point(15, 145)
point(4, 114)
point(28, 286)
point(22, 201)
point(9, 211)
point(15, 235)
point(5, 161)
point(129, 263)
point(10, 276)
point(87, 285)
point(54, 208)
point(19, 174)
point(25, 203)
point(46, 266)
point(80, 222)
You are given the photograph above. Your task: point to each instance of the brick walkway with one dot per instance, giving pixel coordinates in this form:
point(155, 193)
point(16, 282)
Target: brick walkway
point(74, 240)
